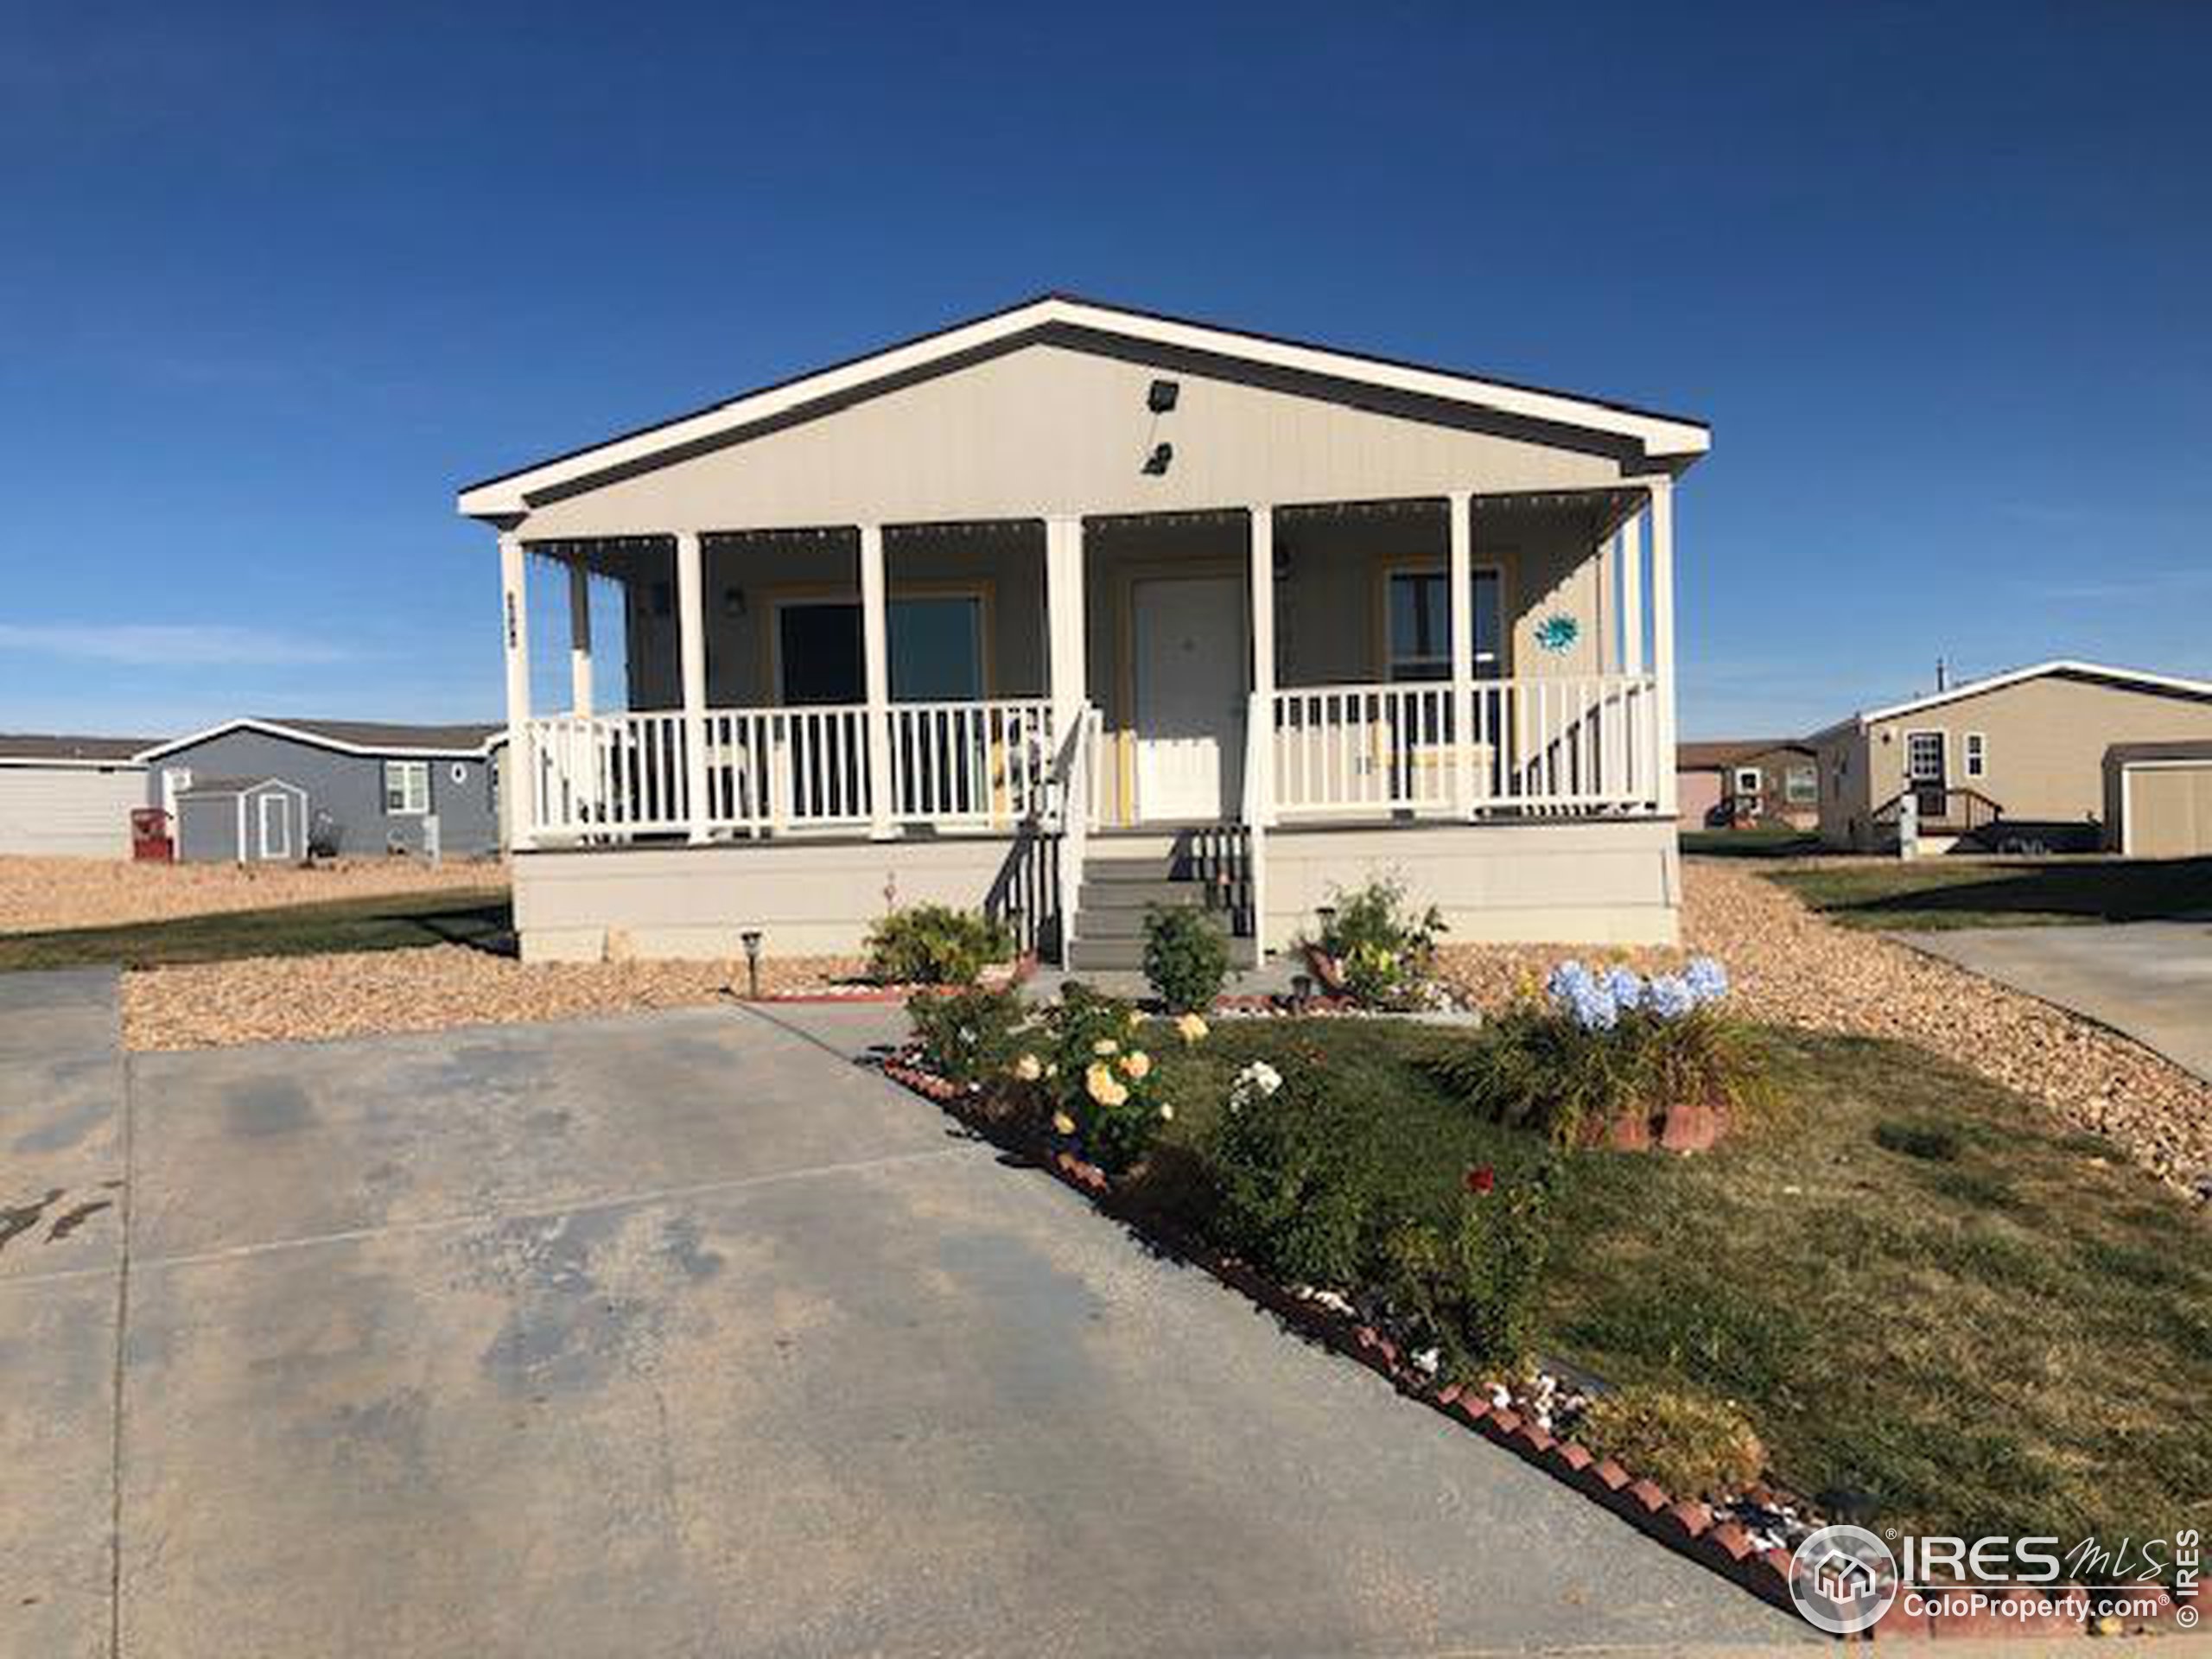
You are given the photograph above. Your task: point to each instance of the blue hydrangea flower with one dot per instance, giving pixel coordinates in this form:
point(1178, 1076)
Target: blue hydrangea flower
point(1565, 979)
point(1587, 1000)
point(1670, 996)
point(1707, 979)
point(1625, 985)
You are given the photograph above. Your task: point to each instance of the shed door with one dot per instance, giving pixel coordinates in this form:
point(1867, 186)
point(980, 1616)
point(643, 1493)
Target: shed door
point(274, 819)
point(2169, 811)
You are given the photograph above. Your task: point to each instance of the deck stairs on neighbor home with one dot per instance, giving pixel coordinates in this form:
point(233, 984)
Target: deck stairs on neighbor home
point(1126, 874)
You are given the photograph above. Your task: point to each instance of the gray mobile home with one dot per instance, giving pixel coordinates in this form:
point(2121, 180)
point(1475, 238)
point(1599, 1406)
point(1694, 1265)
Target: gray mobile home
point(368, 787)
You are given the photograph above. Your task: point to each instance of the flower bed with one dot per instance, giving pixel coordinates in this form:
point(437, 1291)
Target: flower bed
point(1334, 1171)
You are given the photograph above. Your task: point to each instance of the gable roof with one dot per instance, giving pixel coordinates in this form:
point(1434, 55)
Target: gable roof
point(54, 747)
point(1664, 437)
point(365, 737)
point(2136, 679)
point(1716, 752)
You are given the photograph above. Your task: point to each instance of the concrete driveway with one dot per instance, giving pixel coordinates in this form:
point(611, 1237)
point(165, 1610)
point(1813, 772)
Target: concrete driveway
point(679, 1334)
point(2152, 979)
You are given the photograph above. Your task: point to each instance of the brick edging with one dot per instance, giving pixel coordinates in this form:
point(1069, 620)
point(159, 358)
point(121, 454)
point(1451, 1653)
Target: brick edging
point(1686, 1526)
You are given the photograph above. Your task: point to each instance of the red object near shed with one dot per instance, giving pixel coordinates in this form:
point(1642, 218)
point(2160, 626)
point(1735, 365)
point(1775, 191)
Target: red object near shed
point(150, 842)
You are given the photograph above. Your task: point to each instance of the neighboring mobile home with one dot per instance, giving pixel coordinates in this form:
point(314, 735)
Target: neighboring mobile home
point(360, 787)
point(1071, 591)
point(70, 796)
point(2016, 761)
point(1740, 782)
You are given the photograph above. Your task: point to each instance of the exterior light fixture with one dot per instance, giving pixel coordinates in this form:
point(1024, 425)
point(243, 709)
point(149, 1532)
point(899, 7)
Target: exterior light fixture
point(751, 939)
point(1161, 398)
point(1157, 463)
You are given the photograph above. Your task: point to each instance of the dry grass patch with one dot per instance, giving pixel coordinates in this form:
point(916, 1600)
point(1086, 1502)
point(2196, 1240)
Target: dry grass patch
point(43, 894)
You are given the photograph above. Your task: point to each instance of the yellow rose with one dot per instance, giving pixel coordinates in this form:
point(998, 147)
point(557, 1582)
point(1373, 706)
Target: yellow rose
point(1136, 1019)
point(1167, 1112)
point(1063, 1124)
point(1105, 1045)
point(1029, 1068)
point(1191, 1028)
point(1100, 1083)
point(1137, 1064)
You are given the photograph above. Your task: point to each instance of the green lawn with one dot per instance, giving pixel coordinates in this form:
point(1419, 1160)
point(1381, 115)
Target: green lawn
point(1977, 893)
point(477, 916)
point(1767, 841)
point(1923, 1291)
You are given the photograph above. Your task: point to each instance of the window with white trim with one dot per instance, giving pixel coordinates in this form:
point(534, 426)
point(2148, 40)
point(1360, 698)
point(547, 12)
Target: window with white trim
point(407, 788)
point(1801, 784)
point(1923, 757)
point(1977, 754)
point(1749, 781)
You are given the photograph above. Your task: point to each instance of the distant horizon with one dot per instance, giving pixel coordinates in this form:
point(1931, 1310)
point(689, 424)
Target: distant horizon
point(1934, 277)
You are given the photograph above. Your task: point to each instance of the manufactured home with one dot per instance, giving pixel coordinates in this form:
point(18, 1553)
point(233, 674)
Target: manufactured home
point(1073, 592)
point(2018, 761)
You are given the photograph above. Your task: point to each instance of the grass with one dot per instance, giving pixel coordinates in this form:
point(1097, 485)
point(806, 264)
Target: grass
point(1947, 894)
point(1926, 1294)
point(1766, 841)
point(387, 921)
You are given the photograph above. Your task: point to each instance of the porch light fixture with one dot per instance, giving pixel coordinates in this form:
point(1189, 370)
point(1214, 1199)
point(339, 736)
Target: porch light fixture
point(751, 939)
point(1157, 463)
point(1161, 398)
point(1326, 914)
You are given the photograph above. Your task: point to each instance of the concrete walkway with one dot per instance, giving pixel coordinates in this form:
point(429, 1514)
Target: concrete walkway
point(2152, 979)
point(679, 1334)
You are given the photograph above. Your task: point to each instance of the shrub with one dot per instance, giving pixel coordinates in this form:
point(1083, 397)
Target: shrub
point(935, 944)
point(969, 1036)
point(1689, 1443)
point(1472, 1288)
point(1186, 957)
point(1300, 1197)
point(1102, 1087)
point(1384, 952)
point(1601, 1044)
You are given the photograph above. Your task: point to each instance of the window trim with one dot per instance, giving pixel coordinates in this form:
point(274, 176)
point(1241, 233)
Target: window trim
point(404, 770)
point(1944, 747)
point(1973, 756)
point(1755, 789)
point(1809, 772)
point(1389, 569)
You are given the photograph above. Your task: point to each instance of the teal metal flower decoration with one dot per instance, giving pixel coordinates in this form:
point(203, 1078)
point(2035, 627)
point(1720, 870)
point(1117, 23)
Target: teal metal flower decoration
point(1558, 632)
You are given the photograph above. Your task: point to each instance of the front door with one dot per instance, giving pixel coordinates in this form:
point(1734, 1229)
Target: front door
point(1188, 636)
point(1926, 769)
point(276, 825)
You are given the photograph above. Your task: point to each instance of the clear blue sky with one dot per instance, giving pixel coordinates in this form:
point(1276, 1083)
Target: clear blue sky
point(275, 280)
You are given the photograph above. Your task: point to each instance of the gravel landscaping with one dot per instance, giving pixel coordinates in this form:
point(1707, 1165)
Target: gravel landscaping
point(40, 893)
point(1790, 967)
point(304, 999)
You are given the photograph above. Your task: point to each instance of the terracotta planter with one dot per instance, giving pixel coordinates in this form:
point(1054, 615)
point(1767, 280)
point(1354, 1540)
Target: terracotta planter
point(1691, 1127)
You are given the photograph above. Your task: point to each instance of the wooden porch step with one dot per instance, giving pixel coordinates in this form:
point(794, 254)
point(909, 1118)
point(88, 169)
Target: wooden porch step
point(1091, 955)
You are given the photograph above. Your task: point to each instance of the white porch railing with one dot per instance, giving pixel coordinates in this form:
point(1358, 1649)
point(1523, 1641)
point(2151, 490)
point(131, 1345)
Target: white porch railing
point(969, 763)
point(615, 777)
point(1547, 743)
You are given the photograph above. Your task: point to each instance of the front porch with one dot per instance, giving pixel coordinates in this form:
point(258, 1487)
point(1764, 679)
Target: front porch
point(1494, 660)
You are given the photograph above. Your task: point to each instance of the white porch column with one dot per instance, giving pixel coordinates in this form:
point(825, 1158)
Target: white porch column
point(1631, 560)
point(522, 765)
point(1462, 613)
point(691, 635)
point(1258, 747)
point(1064, 623)
point(875, 654)
point(1662, 634)
point(579, 638)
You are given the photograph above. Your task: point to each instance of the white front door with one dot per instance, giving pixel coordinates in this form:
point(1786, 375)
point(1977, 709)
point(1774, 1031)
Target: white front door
point(1188, 634)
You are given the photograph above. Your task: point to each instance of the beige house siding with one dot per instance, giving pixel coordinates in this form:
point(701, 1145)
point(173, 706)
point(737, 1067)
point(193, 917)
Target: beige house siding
point(71, 811)
point(2046, 741)
point(1052, 429)
point(1596, 883)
